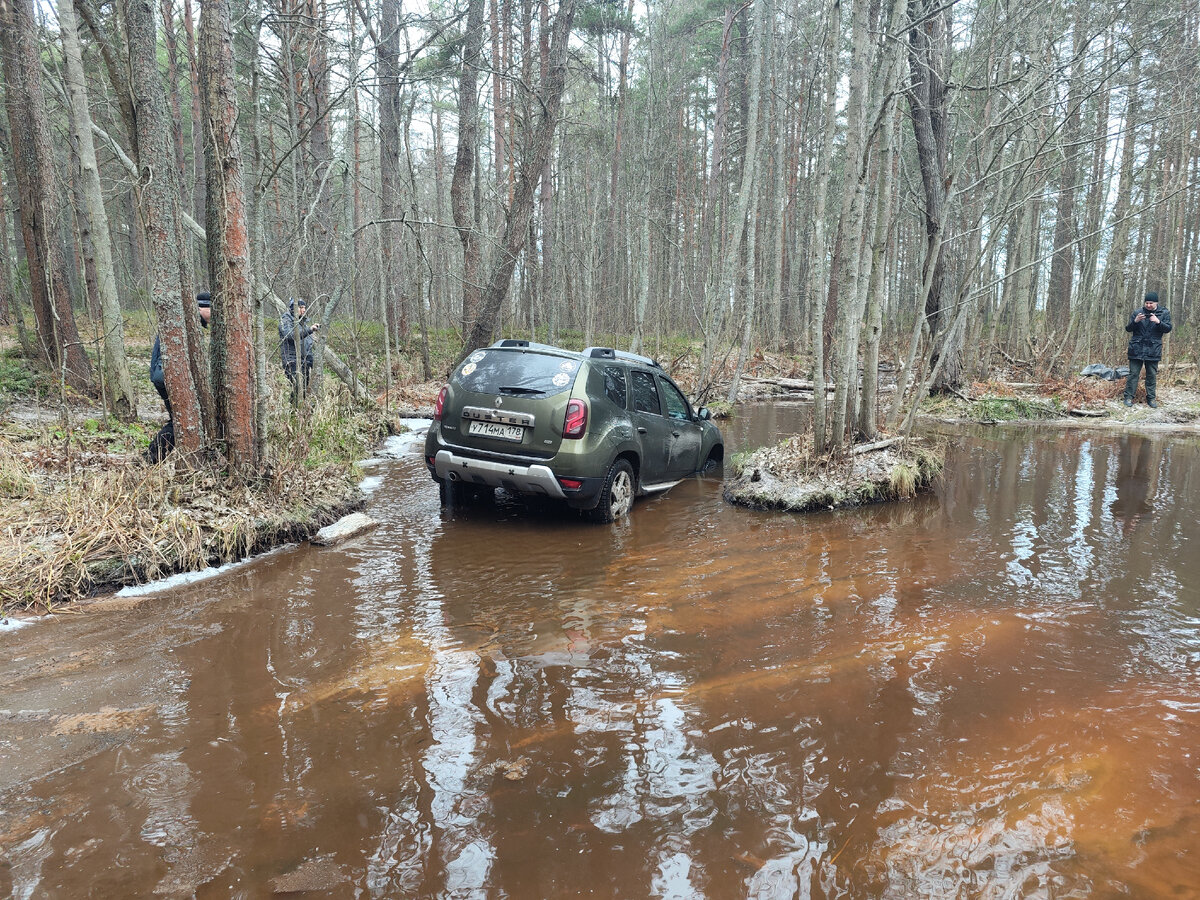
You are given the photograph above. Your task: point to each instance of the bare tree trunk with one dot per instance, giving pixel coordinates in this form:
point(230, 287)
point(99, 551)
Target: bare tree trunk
point(499, 151)
point(1062, 268)
point(199, 186)
point(818, 267)
point(33, 159)
point(746, 194)
point(710, 301)
point(928, 61)
point(465, 164)
point(93, 221)
point(170, 257)
point(546, 200)
point(516, 226)
point(1115, 295)
point(850, 226)
point(228, 243)
point(9, 313)
point(387, 54)
point(889, 162)
point(172, 44)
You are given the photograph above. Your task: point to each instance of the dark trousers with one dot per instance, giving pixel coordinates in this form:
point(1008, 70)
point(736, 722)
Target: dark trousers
point(163, 442)
point(289, 369)
point(1135, 369)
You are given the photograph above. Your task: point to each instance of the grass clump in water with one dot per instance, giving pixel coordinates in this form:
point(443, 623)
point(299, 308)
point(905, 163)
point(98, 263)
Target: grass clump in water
point(790, 476)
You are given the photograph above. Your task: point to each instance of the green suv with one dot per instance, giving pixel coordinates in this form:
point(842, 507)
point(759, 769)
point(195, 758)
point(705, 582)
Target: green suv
point(595, 428)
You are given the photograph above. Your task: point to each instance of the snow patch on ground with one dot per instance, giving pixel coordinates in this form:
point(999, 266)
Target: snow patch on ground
point(370, 484)
point(10, 624)
point(401, 445)
point(186, 578)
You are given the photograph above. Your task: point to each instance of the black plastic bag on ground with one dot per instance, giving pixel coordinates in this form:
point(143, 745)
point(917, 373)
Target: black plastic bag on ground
point(1108, 373)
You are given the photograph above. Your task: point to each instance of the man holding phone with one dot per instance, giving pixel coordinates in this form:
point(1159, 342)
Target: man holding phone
point(296, 346)
point(1146, 328)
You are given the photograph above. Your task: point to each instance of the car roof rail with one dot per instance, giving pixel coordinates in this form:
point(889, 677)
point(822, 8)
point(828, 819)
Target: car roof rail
point(610, 353)
point(522, 344)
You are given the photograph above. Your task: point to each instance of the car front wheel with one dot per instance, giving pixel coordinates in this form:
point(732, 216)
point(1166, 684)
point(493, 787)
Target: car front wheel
point(616, 499)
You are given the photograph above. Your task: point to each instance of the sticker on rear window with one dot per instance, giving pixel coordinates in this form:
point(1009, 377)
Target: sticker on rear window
point(568, 367)
point(468, 368)
point(478, 357)
point(560, 379)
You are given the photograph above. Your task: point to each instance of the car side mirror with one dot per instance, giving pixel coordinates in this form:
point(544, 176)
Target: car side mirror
point(702, 414)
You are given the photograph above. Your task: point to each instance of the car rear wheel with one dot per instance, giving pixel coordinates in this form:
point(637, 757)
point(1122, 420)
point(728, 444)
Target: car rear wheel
point(616, 499)
point(455, 493)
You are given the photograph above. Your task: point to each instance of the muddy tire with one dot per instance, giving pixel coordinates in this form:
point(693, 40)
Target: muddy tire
point(455, 493)
point(616, 499)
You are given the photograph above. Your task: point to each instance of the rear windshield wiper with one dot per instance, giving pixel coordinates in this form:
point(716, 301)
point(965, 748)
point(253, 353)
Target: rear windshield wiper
point(513, 389)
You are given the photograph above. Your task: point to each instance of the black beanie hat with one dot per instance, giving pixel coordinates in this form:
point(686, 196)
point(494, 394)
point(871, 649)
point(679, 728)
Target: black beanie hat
point(1151, 297)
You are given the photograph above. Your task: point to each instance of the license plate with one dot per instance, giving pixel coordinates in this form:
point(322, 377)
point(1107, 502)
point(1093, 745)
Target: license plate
point(496, 430)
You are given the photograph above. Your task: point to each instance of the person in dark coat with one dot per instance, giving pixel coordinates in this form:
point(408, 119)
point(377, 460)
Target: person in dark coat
point(296, 345)
point(164, 441)
point(1146, 328)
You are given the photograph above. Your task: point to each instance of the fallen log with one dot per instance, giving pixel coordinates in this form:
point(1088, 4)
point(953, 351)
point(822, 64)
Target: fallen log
point(877, 445)
point(797, 384)
point(1094, 413)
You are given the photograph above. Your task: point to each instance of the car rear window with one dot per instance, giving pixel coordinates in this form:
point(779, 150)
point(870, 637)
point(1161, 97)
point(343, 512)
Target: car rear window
point(517, 373)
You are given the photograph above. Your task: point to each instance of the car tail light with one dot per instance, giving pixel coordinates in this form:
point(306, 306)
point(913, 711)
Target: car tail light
point(441, 402)
point(571, 484)
point(575, 424)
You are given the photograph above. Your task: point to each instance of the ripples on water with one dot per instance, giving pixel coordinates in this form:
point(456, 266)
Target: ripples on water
point(989, 692)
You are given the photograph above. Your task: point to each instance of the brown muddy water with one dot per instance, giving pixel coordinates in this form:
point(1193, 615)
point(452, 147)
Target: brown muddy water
point(990, 692)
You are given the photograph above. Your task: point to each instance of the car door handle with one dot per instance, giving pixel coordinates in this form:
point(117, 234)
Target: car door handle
point(674, 434)
point(641, 430)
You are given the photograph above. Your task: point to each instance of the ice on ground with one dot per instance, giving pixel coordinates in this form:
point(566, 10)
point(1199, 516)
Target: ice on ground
point(400, 445)
point(185, 578)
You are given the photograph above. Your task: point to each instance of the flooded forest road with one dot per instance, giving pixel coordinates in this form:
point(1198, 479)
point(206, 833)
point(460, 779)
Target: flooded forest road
point(991, 692)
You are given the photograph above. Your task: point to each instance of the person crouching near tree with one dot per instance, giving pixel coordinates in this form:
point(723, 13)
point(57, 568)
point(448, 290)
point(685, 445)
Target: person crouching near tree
point(296, 346)
point(164, 442)
point(1146, 328)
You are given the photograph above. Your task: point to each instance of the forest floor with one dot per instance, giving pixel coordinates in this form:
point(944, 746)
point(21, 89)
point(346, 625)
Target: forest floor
point(84, 512)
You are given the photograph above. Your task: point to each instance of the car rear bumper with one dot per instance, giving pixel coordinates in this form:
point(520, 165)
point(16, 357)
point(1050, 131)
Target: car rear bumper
point(511, 476)
point(514, 477)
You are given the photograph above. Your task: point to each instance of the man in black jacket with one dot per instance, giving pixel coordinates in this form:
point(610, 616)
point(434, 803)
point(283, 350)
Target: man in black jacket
point(164, 441)
point(1146, 328)
point(296, 346)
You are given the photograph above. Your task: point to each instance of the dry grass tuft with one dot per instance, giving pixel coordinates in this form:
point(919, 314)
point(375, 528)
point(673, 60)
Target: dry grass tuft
point(1084, 393)
point(74, 518)
point(903, 480)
